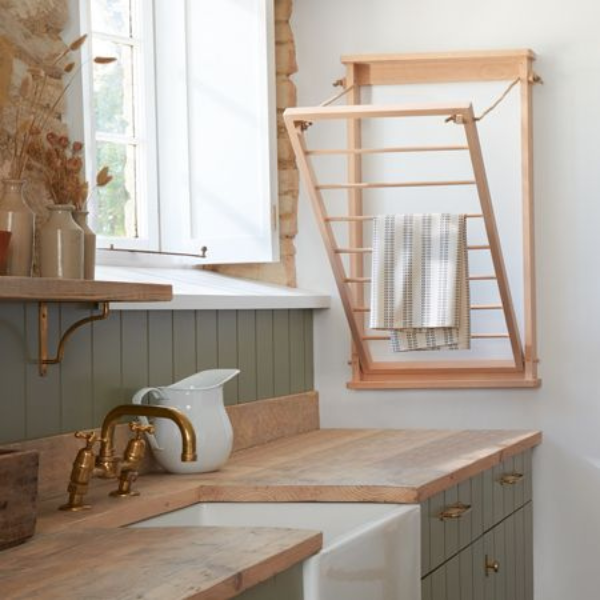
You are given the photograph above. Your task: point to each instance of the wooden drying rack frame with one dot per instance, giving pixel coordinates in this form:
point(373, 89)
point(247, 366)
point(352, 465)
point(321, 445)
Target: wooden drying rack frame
point(366, 70)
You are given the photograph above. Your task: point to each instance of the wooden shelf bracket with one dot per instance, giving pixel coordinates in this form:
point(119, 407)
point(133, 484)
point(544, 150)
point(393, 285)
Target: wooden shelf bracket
point(43, 360)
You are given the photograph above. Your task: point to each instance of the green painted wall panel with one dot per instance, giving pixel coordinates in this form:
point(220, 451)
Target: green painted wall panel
point(297, 371)
point(105, 363)
point(246, 360)
point(206, 340)
point(134, 352)
point(309, 366)
point(44, 410)
point(184, 344)
point(13, 424)
point(281, 349)
point(265, 354)
point(227, 351)
point(76, 390)
point(160, 347)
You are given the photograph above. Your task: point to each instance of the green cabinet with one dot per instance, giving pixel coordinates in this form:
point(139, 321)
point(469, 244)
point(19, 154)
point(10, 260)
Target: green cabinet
point(477, 537)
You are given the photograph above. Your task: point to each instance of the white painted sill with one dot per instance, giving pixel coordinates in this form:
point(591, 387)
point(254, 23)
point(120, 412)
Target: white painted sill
point(195, 289)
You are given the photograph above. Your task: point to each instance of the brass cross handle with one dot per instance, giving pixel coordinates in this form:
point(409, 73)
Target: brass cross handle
point(139, 429)
point(91, 437)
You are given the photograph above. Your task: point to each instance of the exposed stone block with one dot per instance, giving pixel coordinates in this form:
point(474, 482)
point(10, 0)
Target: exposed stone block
point(283, 10)
point(285, 58)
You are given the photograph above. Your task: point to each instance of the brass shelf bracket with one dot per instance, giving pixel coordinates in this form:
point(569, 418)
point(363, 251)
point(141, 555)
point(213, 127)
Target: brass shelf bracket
point(43, 360)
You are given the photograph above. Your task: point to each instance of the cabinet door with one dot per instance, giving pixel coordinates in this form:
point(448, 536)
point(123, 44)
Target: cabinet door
point(496, 566)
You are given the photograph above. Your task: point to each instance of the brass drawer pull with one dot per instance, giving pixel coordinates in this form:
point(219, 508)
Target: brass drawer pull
point(511, 478)
point(491, 565)
point(456, 511)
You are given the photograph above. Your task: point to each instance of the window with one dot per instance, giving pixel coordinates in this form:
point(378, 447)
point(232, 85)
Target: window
point(186, 121)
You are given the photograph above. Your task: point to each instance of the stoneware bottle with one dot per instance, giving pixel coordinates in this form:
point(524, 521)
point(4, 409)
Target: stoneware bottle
point(89, 244)
point(18, 218)
point(61, 244)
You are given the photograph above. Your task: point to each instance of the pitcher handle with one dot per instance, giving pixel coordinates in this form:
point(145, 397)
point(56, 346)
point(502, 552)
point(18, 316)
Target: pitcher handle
point(137, 399)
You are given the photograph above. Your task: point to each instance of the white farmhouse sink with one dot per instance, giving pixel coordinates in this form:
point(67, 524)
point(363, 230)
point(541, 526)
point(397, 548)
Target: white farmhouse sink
point(370, 551)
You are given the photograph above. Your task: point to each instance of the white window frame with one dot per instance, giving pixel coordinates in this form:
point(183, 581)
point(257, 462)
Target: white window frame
point(144, 138)
point(171, 200)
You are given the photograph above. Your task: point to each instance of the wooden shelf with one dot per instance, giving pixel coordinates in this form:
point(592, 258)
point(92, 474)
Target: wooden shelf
point(42, 289)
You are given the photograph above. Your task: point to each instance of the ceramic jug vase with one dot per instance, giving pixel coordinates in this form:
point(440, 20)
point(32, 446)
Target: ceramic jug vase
point(200, 398)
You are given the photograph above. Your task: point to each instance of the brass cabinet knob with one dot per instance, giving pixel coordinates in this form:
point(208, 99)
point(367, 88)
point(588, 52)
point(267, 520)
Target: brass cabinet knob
point(491, 565)
point(456, 511)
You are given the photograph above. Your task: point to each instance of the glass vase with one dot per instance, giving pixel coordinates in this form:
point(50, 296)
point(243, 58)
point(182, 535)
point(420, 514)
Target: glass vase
point(19, 219)
point(61, 244)
point(89, 244)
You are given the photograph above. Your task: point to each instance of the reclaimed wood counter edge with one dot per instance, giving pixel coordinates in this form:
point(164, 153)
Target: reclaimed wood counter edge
point(79, 290)
point(206, 563)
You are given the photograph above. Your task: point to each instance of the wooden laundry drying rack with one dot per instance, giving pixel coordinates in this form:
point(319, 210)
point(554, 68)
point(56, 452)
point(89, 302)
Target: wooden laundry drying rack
point(516, 66)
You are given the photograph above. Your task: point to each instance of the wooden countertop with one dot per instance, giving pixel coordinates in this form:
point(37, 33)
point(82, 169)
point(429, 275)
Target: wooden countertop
point(326, 465)
point(200, 563)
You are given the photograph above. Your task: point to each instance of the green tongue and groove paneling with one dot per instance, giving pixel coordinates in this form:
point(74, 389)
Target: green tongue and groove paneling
point(105, 363)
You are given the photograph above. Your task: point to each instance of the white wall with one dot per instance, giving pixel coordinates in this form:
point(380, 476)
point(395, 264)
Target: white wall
point(567, 178)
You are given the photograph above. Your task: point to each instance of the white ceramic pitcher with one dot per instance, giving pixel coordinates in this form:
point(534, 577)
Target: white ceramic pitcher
point(200, 398)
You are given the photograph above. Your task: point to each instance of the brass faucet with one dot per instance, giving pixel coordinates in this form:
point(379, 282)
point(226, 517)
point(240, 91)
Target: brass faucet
point(108, 466)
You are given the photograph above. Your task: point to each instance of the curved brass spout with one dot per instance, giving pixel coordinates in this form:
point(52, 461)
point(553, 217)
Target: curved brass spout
point(106, 456)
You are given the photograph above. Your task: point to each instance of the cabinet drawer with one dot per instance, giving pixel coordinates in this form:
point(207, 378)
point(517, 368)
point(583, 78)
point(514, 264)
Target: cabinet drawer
point(506, 551)
point(452, 519)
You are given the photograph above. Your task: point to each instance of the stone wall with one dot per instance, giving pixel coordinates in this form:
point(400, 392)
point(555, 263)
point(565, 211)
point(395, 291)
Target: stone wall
point(284, 271)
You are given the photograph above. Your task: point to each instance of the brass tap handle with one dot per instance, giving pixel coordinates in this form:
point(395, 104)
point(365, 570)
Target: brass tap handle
point(139, 429)
point(91, 438)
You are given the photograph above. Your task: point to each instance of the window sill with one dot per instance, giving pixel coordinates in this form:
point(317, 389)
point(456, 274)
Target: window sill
point(196, 289)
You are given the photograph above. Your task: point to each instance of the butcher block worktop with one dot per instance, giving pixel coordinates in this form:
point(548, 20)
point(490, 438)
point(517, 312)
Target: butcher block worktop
point(326, 465)
point(204, 563)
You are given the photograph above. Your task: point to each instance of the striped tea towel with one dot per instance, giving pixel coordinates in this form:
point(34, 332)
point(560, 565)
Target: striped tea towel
point(420, 289)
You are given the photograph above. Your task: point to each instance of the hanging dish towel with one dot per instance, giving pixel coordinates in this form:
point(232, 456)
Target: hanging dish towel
point(420, 289)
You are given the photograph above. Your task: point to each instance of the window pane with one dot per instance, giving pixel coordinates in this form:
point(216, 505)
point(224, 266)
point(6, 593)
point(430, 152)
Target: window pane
point(113, 89)
point(115, 207)
point(112, 16)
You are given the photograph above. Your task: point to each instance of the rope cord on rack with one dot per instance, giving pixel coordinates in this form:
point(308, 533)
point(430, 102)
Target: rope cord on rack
point(304, 125)
point(457, 119)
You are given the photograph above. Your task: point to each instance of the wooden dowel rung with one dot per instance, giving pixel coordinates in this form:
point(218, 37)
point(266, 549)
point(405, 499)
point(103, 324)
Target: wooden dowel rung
point(474, 336)
point(482, 277)
point(472, 307)
point(368, 250)
point(478, 247)
point(486, 307)
point(369, 280)
point(351, 151)
point(490, 336)
point(353, 250)
point(355, 218)
point(382, 184)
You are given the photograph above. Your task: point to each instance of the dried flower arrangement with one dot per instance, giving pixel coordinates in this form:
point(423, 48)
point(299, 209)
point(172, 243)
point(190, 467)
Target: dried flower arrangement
point(60, 163)
point(34, 110)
